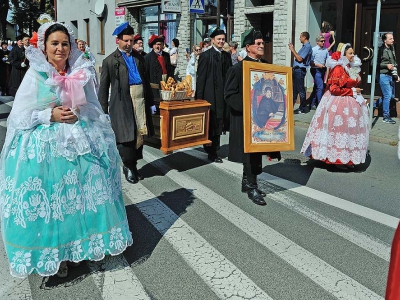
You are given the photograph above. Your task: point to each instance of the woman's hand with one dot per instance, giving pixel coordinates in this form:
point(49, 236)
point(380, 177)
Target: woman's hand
point(63, 114)
point(358, 91)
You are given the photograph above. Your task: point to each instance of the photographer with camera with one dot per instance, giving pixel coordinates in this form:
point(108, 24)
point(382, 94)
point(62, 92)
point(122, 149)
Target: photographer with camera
point(387, 75)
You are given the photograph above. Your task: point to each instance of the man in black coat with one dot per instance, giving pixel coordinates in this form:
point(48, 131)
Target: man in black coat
point(131, 102)
point(252, 162)
point(158, 64)
point(19, 63)
point(4, 69)
point(211, 72)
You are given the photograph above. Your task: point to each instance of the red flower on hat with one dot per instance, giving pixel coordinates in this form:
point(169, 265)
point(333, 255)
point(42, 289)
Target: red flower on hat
point(336, 55)
point(34, 39)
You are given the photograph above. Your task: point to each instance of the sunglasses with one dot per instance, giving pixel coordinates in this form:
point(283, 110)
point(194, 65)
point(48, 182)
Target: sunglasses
point(322, 41)
point(198, 49)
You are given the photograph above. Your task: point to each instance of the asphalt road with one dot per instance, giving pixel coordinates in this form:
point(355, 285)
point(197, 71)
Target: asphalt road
point(325, 233)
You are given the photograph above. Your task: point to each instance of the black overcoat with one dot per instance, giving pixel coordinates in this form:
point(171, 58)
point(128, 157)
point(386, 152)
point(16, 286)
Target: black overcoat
point(4, 68)
point(154, 70)
point(211, 74)
point(119, 105)
point(234, 99)
point(16, 57)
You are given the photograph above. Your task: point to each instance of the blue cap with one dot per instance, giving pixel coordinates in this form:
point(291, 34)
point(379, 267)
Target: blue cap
point(120, 28)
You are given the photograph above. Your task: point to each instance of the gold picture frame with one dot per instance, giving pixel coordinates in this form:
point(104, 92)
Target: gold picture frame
point(267, 108)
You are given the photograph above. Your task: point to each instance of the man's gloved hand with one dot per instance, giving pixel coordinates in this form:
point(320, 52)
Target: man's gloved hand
point(153, 109)
point(23, 65)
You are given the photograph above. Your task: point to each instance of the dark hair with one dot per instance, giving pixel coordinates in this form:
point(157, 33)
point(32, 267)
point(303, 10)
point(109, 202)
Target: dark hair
point(327, 27)
point(306, 35)
point(22, 36)
point(348, 46)
point(176, 42)
point(127, 31)
point(4, 43)
point(384, 36)
point(54, 28)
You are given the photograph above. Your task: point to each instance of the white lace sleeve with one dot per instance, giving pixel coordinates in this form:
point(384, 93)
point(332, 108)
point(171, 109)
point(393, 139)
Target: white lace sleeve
point(354, 92)
point(41, 116)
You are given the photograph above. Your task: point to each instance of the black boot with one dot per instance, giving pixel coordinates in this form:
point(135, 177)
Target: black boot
point(253, 193)
point(244, 186)
point(215, 158)
point(129, 175)
point(137, 174)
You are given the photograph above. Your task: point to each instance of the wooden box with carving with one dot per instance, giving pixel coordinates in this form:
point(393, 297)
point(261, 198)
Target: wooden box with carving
point(183, 124)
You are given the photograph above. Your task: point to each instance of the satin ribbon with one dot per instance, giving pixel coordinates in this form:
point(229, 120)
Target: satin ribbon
point(72, 93)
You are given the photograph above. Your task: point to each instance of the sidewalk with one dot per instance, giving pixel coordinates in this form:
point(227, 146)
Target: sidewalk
point(380, 132)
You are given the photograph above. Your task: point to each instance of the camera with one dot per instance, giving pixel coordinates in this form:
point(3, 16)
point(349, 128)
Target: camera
point(394, 73)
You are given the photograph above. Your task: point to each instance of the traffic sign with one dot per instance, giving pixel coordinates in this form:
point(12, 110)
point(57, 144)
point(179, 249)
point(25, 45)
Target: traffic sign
point(196, 6)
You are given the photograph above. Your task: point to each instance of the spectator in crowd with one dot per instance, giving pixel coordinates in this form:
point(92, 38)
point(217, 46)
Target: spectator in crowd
point(226, 48)
point(130, 104)
point(252, 162)
point(191, 68)
point(339, 131)
point(328, 34)
point(211, 73)
point(19, 63)
point(138, 44)
point(4, 69)
point(388, 75)
point(81, 45)
point(206, 44)
point(301, 63)
point(234, 54)
point(10, 45)
point(173, 54)
point(61, 154)
point(318, 69)
point(158, 64)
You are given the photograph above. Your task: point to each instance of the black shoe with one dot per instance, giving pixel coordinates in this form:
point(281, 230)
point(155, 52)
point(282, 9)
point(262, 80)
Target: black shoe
point(215, 158)
point(254, 195)
point(137, 174)
point(129, 175)
point(389, 120)
point(245, 188)
point(314, 107)
point(301, 111)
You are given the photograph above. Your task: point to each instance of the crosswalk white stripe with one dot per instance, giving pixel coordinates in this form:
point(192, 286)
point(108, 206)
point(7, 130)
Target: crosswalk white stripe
point(11, 288)
point(115, 279)
point(361, 239)
point(223, 277)
point(326, 276)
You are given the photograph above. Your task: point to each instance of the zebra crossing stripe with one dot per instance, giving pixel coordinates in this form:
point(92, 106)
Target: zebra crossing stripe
point(223, 277)
point(326, 276)
point(115, 279)
point(357, 237)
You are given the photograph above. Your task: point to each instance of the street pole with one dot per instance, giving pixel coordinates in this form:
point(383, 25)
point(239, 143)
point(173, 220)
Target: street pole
point(374, 62)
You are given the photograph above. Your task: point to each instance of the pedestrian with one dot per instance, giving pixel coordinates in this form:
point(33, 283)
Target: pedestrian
point(234, 54)
point(138, 44)
point(10, 45)
point(252, 162)
point(226, 48)
point(192, 65)
point(211, 74)
point(19, 63)
point(206, 44)
point(81, 45)
point(4, 69)
point(339, 131)
point(328, 34)
point(130, 104)
point(60, 197)
point(388, 75)
point(301, 63)
point(173, 54)
point(158, 64)
point(318, 69)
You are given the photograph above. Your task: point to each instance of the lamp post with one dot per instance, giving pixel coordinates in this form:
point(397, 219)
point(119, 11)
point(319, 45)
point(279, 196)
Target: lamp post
point(374, 62)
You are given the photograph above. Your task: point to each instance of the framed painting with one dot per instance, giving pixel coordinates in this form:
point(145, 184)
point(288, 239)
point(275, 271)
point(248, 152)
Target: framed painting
point(267, 108)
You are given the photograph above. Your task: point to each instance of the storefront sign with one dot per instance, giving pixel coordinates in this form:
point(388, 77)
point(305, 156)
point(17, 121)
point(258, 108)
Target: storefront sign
point(119, 16)
point(171, 6)
point(196, 6)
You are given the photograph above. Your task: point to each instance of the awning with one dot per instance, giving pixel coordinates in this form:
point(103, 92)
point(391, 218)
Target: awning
point(137, 3)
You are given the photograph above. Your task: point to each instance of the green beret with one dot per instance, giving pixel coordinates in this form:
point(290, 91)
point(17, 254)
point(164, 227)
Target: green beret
point(249, 36)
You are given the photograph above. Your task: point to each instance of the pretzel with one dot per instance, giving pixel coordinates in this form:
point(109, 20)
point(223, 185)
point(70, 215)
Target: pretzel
point(163, 85)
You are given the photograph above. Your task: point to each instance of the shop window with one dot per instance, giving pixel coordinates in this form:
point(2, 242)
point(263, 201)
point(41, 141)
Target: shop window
point(254, 3)
point(152, 21)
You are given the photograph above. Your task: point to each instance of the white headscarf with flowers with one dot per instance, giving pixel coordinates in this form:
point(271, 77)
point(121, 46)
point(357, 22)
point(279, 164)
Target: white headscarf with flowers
point(355, 65)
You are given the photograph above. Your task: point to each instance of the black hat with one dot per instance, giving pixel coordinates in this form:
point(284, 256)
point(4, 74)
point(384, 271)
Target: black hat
point(215, 31)
point(249, 36)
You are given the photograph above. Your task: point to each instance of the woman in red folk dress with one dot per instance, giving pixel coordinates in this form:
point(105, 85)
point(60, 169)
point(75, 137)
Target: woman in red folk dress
point(339, 131)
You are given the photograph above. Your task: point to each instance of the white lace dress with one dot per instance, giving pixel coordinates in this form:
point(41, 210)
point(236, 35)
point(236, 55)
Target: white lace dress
point(339, 130)
point(60, 184)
